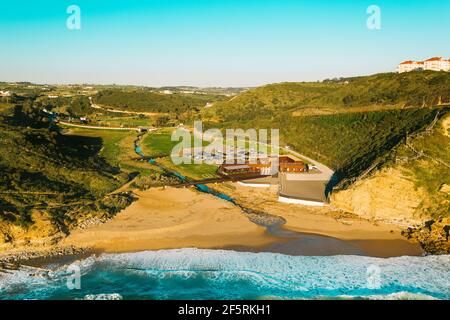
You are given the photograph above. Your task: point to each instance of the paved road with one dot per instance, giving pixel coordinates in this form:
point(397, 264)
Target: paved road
point(325, 172)
point(98, 127)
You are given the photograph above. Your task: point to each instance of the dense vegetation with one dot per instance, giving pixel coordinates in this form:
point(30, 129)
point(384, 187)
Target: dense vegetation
point(42, 168)
point(425, 159)
point(347, 142)
point(348, 124)
point(72, 106)
point(351, 142)
point(147, 101)
point(414, 89)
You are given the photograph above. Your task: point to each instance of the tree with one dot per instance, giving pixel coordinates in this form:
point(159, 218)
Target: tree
point(162, 121)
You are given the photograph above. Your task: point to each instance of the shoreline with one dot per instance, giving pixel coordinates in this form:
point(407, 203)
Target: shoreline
point(169, 218)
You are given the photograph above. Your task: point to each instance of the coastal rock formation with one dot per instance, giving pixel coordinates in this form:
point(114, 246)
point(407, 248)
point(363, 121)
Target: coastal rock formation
point(391, 197)
point(433, 236)
point(50, 227)
point(42, 232)
point(386, 196)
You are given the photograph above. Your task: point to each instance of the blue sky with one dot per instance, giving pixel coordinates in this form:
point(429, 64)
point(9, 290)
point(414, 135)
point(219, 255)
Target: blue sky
point(214, 43)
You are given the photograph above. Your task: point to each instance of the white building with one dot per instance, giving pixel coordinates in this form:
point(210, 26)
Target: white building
point(433, 64)
point(437, 64)
point(408, 66)
point(5, 93)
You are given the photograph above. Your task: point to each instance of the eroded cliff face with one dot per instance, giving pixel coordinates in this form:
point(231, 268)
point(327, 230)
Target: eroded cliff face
point(49, 227)
point(386, 196)
point(391, 197)
point(41, 233)
point(414, 192)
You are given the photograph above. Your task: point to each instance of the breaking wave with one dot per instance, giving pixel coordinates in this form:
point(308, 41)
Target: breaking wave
point(218, 274)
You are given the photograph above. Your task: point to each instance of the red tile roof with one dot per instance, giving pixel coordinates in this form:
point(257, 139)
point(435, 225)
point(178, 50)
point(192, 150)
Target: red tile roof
point(435, 59)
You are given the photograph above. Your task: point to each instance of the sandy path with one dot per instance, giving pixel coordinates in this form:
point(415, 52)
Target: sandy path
point(149, 114)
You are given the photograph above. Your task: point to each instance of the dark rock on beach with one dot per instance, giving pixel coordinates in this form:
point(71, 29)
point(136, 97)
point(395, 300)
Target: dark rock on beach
point(433, 236)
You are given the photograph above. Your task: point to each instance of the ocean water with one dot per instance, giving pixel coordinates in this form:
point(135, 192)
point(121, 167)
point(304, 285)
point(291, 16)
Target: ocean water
point(218, 274)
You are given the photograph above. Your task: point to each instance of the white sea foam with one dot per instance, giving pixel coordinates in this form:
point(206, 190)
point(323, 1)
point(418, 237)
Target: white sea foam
point(261, 274)
point(427, 275)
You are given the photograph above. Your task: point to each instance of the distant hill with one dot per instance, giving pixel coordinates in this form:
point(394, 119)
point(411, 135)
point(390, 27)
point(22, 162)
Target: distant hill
point(414, 89)
point(146, 101)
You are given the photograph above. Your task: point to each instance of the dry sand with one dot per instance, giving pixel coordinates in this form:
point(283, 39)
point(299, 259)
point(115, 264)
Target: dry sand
point(376, 238)
point(173, 218)
point(181, 218)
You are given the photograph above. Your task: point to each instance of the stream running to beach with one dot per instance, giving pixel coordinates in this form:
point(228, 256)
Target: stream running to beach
point(296, 243)
point(237, 273)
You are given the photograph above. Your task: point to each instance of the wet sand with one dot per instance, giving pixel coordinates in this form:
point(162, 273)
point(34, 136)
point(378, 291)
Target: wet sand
point(184, 218)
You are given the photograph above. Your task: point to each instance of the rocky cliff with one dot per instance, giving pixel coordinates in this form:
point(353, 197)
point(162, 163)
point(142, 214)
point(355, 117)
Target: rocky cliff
point(412, 191)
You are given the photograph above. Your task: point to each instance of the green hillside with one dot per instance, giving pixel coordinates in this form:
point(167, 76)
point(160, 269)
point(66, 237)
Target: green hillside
point(425, 159)
point(351, 142)
point(348, 124)
point(414, 89)
point(40, 168)
point(347, 142)
point(146, 101)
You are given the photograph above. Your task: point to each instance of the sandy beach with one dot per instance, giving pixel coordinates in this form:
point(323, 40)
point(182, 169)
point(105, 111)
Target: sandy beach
point(184, 218)
point(173, 218)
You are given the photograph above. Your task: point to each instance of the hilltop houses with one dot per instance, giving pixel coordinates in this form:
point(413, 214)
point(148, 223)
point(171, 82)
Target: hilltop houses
point(437, 64)
point(433, 64)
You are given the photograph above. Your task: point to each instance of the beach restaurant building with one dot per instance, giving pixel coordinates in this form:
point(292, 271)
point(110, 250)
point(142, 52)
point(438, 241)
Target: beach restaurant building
point(265, 167)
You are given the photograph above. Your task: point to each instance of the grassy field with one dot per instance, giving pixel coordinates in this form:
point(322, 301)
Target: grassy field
point(193, 171)
point(116, 145)
point(125, 121)
point(160, 144)
point(118, 149)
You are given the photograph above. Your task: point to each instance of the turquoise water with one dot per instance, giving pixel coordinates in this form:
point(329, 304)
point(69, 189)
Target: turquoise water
point(217, 274)
point(138, 150)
